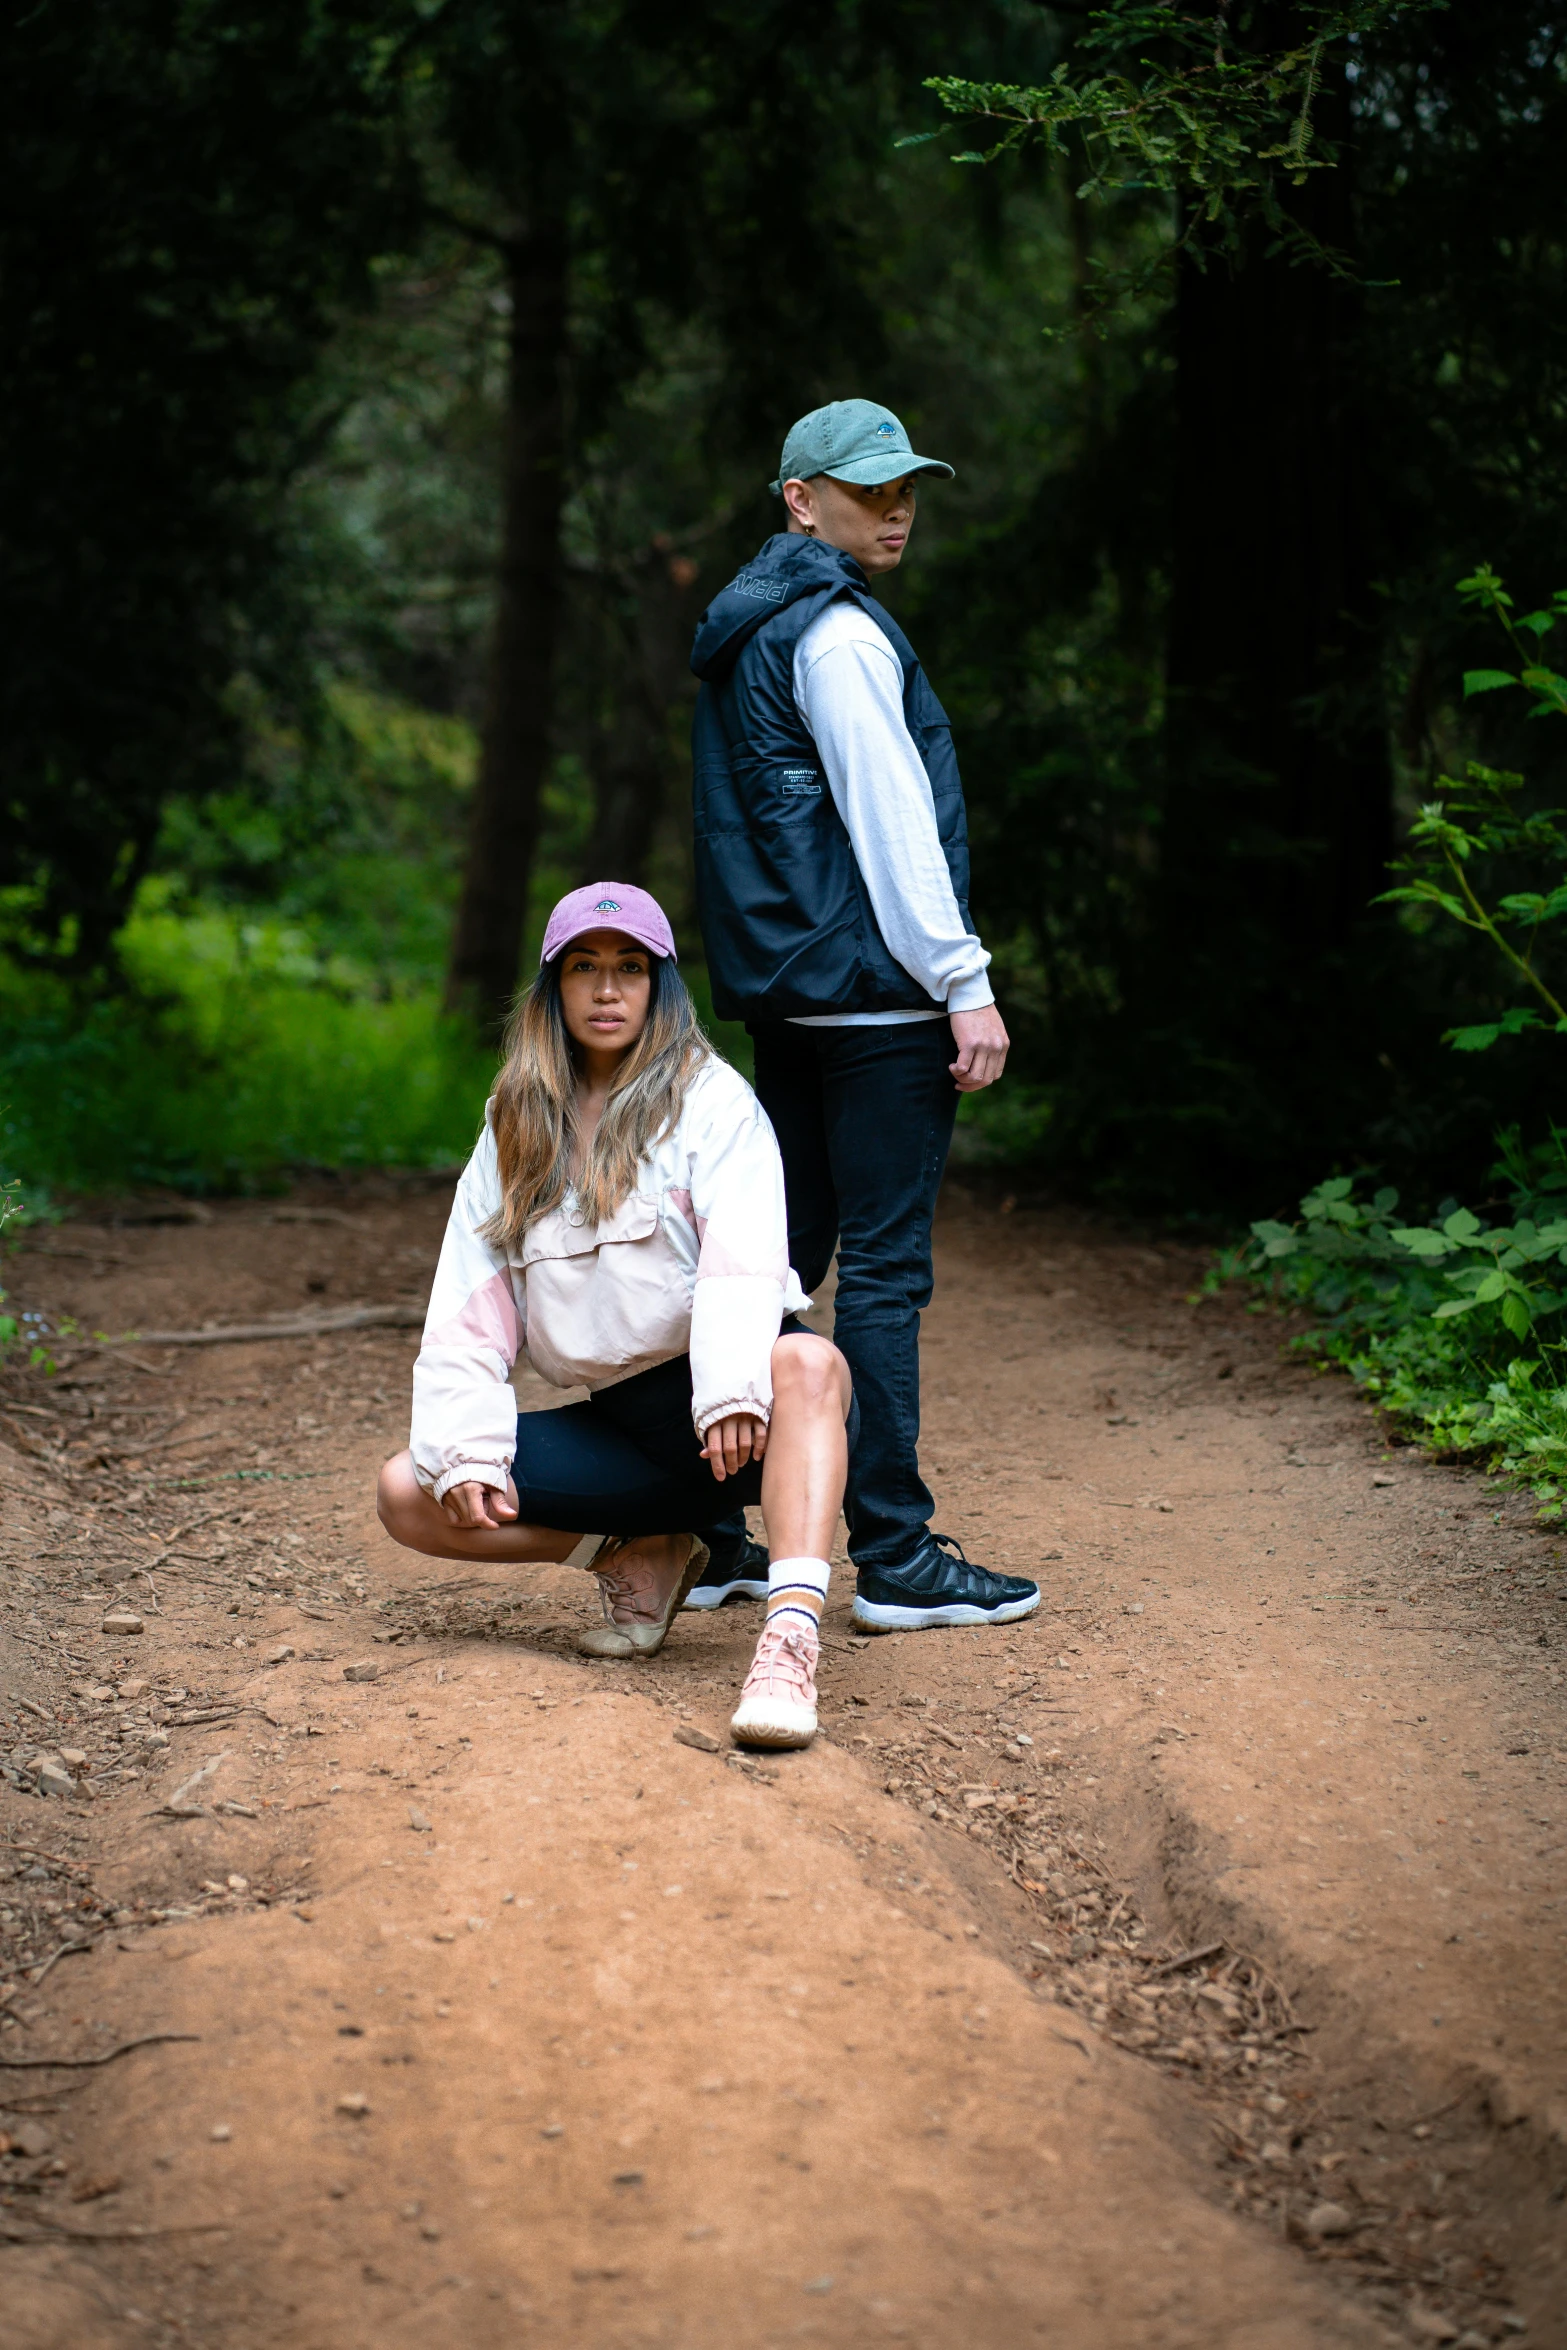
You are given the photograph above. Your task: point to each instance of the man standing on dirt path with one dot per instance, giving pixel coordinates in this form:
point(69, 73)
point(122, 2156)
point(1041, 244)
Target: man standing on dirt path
point(832, 880)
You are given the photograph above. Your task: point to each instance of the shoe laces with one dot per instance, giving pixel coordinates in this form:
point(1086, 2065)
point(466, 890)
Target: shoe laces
point(630, 1594)
point(784, 1666)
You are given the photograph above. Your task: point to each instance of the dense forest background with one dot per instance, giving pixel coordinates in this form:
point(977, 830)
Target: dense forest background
point(386, 387)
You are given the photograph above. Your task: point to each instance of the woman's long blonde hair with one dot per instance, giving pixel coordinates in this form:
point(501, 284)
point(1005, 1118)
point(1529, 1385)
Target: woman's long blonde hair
point(535, 1103)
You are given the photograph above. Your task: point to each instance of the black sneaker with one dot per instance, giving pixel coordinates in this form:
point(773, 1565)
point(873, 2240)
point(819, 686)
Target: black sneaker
point(934, 1587)
point(740, 1574)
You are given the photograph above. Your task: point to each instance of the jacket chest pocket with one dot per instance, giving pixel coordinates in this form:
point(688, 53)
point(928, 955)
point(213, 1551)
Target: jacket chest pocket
point(798, 787)
point(784, 790)
point(603, 1298)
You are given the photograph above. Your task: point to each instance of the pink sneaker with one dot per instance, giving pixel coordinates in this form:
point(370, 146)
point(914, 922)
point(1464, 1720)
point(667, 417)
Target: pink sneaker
point(778, 1703)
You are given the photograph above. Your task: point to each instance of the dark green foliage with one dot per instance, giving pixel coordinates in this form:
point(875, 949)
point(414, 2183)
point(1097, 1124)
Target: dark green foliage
point(1188, 601)
point(1455, 1327)
point(234, 1055)
point(195, 185)
point(1220, 111)
point(1246, 543)
point(1480, 822)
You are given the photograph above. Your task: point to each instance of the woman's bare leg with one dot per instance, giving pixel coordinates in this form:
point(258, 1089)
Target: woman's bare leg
point(637, 1577)
point(803, 1474)
point(806, 1464)
point(418, 1523)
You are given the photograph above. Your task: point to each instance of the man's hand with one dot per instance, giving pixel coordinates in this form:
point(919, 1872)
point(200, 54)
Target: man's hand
point(473, 1507)
point(730, 1443)
point(982, 1044)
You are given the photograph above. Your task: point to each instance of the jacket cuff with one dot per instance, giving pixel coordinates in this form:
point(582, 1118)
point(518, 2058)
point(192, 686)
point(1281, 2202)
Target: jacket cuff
point(722, 1411)
point(971, 995)
point(470, 1473)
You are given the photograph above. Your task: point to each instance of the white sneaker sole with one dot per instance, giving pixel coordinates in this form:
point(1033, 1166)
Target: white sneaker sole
point(764, 1724)
point(920, 1619)
point(715, 1594)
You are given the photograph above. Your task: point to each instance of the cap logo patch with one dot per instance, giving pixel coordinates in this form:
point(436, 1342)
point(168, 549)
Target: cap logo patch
point(607, 906)
point(886, 432)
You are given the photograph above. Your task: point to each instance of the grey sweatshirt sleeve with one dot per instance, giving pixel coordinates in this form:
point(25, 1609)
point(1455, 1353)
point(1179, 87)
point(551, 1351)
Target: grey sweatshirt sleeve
point(848, 687)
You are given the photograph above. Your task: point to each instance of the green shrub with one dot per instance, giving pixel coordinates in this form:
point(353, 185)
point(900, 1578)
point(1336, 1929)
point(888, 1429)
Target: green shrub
point(1457, 1328)
point(237, 1052)
point(242, 1047)
point(1477, 826)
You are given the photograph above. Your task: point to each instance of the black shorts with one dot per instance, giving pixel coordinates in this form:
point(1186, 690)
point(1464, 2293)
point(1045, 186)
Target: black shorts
point(628, 1461)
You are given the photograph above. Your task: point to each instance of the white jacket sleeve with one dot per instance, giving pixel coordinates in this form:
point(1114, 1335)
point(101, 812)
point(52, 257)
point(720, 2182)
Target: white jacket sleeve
point(743, 1280)
point(464, 1411)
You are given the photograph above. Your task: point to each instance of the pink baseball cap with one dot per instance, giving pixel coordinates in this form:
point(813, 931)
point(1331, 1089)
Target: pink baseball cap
point(609, 905)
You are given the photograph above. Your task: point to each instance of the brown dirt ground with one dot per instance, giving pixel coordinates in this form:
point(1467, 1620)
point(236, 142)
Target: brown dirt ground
point(515, 2019)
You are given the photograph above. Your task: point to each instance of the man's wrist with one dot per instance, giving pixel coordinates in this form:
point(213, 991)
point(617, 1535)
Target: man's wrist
point(971, 995)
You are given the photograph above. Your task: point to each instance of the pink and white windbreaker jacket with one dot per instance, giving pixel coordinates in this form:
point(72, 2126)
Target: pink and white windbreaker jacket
point(696, 1260)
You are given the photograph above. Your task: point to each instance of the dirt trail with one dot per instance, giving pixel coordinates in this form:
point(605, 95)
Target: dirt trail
point(1181, 1968)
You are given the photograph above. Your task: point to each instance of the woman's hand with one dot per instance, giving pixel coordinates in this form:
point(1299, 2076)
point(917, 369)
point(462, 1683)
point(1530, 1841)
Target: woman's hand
point(730, 1443)
point(473, 1507)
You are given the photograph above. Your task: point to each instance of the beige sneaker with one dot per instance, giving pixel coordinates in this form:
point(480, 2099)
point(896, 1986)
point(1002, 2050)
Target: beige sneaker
point(640, 1602)
point(778, 1703)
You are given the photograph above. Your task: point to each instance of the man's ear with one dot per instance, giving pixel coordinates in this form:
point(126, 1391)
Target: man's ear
point(800, 506)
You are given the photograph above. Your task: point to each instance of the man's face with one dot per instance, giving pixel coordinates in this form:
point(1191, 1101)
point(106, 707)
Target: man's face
point(871, 524)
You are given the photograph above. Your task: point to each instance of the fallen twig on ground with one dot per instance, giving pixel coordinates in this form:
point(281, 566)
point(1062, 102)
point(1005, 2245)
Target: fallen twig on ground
point(407, 1317)
point(66, 1950)
point(20, 2064)
point(55, 1859)
point(50, 2232)
point(1173, 1966)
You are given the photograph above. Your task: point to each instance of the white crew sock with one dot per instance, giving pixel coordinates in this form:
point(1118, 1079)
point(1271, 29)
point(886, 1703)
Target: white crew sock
point(796, 1594)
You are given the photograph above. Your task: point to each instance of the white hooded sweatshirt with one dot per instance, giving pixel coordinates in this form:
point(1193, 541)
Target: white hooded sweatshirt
point(695, 1261)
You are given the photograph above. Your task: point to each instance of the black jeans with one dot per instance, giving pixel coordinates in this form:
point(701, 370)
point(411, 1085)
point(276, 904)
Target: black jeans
point(864, 1120)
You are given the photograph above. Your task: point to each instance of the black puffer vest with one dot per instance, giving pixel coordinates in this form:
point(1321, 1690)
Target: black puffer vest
point(785, 915)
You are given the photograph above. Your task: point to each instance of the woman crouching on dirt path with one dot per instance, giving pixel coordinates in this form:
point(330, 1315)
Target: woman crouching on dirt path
point(622, 1221)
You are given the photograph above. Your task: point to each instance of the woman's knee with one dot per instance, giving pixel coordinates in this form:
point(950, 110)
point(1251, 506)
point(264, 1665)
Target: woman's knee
point(810, 1374)
point(398, 1494)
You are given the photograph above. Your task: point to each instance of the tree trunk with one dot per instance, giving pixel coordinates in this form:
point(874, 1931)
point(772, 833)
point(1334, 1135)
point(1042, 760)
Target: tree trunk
point(520, 701)
point(651, 607)
point(628, 779)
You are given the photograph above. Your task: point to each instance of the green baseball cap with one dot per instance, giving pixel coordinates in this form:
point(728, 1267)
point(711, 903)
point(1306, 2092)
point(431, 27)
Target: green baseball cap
point(853, 440)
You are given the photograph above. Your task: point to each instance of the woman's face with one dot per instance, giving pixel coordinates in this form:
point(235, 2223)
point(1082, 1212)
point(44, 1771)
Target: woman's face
point(605, 985)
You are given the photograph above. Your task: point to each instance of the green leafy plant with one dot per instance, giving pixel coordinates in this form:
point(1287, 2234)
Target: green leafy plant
point(1478, 816)
point(1428, 1318)
point(1501, 1265)
point(1458, 1326)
